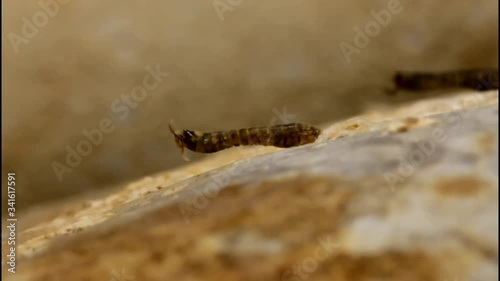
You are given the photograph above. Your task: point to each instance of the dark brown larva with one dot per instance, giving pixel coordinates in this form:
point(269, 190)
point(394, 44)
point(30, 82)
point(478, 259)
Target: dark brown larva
point(286, 135)
point(477, 79)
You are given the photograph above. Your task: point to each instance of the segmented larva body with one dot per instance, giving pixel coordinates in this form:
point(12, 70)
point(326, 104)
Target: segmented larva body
point(478, 79)
point(286, 135)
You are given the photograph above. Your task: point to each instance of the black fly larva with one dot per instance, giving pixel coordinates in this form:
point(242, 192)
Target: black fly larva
point(286, 135)
point(477, 79)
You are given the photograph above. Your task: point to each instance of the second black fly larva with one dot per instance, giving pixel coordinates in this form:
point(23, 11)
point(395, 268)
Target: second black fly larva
point(286, 135)
point(477, 79)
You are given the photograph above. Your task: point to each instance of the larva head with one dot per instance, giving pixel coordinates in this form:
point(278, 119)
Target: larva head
point(403, 81)
point(184, 138)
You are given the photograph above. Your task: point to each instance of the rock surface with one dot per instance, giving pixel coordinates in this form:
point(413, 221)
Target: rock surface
point(241, 71)
point(404, 195)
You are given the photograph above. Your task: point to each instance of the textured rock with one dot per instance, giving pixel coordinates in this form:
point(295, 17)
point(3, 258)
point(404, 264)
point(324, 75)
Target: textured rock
point(404, 195)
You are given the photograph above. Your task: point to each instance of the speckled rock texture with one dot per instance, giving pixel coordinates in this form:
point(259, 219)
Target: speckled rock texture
point(239, 70)
point(409, 194)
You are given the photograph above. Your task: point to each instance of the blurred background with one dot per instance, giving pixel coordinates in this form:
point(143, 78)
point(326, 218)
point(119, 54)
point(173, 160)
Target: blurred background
point(118, 71)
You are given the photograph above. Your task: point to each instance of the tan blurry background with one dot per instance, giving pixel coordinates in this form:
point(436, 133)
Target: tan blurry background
point(231, 73)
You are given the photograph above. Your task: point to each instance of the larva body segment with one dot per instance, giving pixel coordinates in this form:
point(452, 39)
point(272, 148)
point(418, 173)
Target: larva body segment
point(286, 135)
point(477, 79)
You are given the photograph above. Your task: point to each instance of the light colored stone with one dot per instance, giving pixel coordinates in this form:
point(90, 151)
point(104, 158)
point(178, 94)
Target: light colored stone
point(324, 211)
